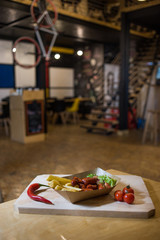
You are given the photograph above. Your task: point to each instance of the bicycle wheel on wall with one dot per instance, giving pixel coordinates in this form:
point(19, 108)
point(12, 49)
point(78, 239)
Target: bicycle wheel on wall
point(24, 53)
point(49, 5)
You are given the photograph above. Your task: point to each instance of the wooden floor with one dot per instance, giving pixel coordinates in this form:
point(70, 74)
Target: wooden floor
point(70, 149)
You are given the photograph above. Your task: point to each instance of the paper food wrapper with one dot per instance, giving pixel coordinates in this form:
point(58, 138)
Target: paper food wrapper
point(74, 197)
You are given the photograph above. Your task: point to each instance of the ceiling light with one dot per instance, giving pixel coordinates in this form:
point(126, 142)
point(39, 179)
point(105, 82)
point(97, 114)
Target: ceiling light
point(80, 32)
point(93, 62)
point(79, 52)
point(14, 50)
point(141, 0)
point(57, 56)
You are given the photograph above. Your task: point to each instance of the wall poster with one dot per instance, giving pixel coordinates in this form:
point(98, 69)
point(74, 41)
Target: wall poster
point(111, 81)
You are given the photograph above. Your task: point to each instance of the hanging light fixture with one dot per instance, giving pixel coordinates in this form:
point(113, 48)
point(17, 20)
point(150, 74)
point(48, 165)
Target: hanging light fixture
point(14, 50)
point(57, 56)
point(79, 52)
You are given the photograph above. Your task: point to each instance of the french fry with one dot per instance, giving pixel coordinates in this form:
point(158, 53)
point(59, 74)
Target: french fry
point(62, 184)
point(73, 188)
point(53, 183)
point(58, 187)
point(66, 190)
point(68, 184)
point(62, 181)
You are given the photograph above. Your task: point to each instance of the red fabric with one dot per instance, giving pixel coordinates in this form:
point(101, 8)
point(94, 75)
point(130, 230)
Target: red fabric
point(131, 119)
point(107, 125)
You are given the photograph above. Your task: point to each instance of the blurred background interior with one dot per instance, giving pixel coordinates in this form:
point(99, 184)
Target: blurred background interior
point(94, 103)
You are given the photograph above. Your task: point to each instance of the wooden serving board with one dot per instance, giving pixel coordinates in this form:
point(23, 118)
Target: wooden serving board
point(103, 206)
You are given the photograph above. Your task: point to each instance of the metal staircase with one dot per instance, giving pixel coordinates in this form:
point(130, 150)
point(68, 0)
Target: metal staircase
point(106, 118)
point(141, 69)
point(103, 118)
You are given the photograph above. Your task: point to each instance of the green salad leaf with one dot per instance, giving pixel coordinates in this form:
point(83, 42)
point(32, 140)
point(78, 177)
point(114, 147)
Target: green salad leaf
point(104, 178)
point(107, 179)
point(91, 175)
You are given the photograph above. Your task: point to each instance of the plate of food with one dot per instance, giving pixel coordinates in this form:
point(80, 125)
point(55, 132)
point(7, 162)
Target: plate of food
point(84, 185)
point(91, 193)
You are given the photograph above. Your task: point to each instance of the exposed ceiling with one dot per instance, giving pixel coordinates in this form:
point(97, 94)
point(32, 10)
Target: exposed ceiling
point(16, 21)
point(147, 17)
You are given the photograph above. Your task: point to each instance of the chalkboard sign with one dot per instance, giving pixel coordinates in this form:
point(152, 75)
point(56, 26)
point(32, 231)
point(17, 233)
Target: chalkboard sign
point(34, 111)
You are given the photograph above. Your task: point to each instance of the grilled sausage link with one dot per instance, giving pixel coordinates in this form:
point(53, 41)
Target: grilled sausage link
point(89, 180)
point(92, 186)
point(75, 181)
point(87, 189)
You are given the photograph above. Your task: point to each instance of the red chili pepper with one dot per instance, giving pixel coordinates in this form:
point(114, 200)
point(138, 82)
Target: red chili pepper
point(31, 193)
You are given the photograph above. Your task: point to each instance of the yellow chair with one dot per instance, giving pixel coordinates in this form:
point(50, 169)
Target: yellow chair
point(73, 111)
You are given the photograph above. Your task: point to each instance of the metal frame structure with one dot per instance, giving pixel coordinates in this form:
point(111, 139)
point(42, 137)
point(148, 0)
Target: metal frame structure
point(38, 27)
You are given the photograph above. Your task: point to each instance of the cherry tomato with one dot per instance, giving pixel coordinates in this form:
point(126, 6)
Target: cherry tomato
point(128, 198)
point(128, 189)
point(107, 185)
point(118, 195)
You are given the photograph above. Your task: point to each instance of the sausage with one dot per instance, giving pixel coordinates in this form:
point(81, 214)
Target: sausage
point(92, 186)
point(89, 180)
point(75, 181)
point(85, 183)
point(87, 189)
point(100, 186)
point(81, 185)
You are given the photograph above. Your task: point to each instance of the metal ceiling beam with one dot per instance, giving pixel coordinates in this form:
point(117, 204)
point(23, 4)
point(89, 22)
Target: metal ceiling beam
point(14, 23)
point(15, 5)
point(147, 17)
point(141, 6)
